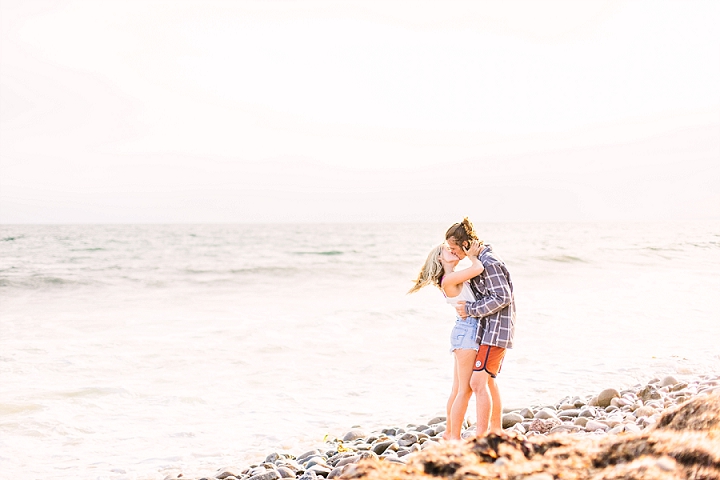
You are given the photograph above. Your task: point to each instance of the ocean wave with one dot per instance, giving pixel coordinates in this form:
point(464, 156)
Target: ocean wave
point(564, 259)
point(14, 408)
point(92, 392)
point(262, 270)
point(35, 282)
point(327, 252)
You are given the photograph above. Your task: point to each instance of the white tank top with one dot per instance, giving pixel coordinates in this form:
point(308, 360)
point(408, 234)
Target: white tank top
point(465, 294)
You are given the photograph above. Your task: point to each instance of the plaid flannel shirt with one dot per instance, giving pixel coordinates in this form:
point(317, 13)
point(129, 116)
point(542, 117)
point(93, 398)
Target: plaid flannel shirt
point(495, 303)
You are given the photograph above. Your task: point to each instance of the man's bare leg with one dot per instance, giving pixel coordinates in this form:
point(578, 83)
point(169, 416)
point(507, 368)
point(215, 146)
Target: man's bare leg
point(496, 415)
point(483, 401)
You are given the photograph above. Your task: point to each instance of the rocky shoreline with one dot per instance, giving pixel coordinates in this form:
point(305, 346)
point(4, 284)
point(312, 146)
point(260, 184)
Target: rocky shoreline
point(577, 426)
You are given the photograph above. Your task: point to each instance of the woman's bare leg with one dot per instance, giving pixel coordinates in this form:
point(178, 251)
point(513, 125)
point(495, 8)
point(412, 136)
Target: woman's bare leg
point(464, 360)
point(451, 399)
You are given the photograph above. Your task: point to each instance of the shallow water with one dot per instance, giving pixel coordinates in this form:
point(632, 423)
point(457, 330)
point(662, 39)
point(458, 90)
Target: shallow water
point(134, 351)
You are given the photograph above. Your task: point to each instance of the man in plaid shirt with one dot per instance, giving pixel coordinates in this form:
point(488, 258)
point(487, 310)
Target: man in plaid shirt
point(495, 306)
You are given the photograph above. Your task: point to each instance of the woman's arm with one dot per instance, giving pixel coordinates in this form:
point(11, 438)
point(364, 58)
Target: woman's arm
point(476, 268)
point(499, 293)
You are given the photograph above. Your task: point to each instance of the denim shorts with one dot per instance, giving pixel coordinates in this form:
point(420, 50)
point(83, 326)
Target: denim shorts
point(463, 334)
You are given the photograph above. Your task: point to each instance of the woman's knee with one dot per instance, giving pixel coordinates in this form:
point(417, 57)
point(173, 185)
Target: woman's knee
point(464, 390)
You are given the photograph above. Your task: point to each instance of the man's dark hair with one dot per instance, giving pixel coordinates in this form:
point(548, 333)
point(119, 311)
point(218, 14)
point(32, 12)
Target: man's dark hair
point(462, 233)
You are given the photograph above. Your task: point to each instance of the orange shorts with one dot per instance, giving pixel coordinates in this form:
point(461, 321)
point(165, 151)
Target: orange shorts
point(489, 358)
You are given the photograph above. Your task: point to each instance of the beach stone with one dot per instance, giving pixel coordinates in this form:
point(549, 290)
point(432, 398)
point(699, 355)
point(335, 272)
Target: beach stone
point(632, 428)
point(335, 473)
point(407, 439)
point(564, 428)
point(429, 443)
point(312, 461)
point(420, 428)
point(291, 464)
point(308, 454)
point(669, 381)
point(712, 391)
point(390, 431)
point(439, 429)
point(527, 413)
point(380, 447)
point(273, 457)
point(322, 470)
point(541, 425)
point(397, 460)
point(593, 425)
point(348, 460)
point(581, 421)
point(350, 471)
point(573, 412)
point(354, 434)
point(605, 397)
point(587, 413)
point(269, 475)
point(616, 429)
point(309, 475)
point(519, 428)
point(365, 455)
point(285, 472)
point(644, 411)
point(545, 414)
point(437, 420)
point(510, 419)
point(613, 420)
point(227, 473)
point(649, 393)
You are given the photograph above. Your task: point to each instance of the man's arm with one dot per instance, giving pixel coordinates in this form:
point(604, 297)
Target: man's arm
point(499, 294)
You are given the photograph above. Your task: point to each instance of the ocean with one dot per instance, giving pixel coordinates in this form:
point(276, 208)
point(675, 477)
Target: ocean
point(134, 351)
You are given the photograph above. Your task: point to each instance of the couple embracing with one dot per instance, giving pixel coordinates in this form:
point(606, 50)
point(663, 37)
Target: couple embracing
point(482, 294)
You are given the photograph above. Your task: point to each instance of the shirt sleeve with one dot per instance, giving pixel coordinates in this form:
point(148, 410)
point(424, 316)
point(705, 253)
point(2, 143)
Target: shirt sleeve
point(499, 293)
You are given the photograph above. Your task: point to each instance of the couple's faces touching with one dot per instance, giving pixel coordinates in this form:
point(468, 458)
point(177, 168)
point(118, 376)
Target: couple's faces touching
point(455, 248)
point(447, 256)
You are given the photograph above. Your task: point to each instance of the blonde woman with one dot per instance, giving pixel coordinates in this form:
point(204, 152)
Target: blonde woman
point(439, 270)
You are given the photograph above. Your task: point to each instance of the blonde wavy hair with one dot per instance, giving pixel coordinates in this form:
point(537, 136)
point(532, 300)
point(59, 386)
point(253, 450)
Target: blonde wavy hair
point(431, 272)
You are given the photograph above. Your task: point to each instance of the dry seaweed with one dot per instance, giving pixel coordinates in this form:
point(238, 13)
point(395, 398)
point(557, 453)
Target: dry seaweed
point(685, 444)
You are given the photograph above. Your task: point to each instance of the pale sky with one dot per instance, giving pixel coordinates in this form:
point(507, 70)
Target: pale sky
point(304, 111)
